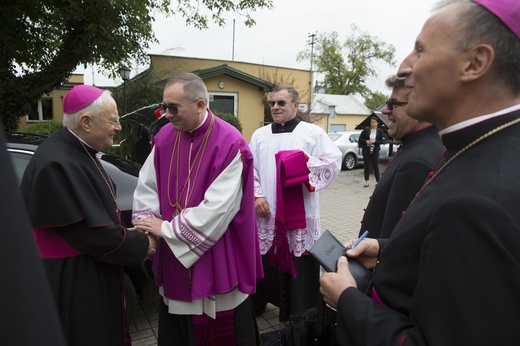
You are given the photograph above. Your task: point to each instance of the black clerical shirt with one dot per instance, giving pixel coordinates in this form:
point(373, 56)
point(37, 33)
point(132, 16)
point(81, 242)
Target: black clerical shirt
point(287, 127)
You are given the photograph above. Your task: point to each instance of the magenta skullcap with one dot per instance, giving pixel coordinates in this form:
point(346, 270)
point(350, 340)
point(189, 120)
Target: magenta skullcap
point(507, 10)
point(79, 97)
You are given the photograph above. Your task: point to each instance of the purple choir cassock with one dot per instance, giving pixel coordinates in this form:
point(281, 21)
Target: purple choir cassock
point(233, 260)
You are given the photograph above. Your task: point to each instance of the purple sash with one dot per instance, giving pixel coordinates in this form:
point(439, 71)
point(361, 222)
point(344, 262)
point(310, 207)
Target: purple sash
point(291, 172)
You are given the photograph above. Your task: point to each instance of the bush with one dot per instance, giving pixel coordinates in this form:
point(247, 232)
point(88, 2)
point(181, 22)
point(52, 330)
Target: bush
point(43, 128)
point(230, 118)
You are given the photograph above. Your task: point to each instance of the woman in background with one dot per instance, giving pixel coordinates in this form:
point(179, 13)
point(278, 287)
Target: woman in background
point(370, 141)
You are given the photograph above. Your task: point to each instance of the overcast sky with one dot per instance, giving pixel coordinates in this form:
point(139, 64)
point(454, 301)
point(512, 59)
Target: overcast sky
point(284, 31)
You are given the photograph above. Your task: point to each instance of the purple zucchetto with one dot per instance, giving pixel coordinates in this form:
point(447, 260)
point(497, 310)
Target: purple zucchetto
point(508, 11)
point(79, 97)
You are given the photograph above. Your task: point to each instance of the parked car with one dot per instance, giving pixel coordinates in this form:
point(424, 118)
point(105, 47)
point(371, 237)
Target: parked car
point(347, 143)
point(21, 147)
point(138, 129)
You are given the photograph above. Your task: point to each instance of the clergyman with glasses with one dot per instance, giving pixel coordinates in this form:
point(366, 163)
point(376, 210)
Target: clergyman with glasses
point(448, 275)
point(195, 193)
point(293, 160)
point(71, 201)
point(420, 150)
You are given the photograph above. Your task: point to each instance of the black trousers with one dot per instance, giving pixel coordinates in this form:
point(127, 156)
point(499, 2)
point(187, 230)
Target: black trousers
point(371, 159)
point(289, 295)
point(178, 329)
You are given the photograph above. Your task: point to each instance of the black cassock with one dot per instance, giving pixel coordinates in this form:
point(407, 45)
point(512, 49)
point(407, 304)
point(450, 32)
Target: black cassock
point(29, 315)
point(65, 190)
point(406, 173)
point(450, 272)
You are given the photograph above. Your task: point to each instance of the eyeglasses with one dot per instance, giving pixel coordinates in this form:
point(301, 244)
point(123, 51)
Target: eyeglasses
point(174, 109)
point(114, 122)
point(280, 103)
point(393, 102)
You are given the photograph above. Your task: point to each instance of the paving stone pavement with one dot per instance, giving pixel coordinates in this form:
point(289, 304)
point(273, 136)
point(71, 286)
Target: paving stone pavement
point(341, 210)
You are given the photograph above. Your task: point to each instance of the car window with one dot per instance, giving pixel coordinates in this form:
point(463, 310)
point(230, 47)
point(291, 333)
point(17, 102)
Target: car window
point(334, 136)
point(354, 138)
point(123, 164)
point(20, 162)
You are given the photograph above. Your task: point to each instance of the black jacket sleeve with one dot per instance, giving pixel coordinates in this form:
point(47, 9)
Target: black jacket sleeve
point(112, 244)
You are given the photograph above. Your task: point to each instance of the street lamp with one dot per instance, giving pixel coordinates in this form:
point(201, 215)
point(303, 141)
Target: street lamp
point(124, 72)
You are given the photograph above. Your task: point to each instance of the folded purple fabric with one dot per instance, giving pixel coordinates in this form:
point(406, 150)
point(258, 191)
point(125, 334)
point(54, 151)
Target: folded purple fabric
point(292, 171)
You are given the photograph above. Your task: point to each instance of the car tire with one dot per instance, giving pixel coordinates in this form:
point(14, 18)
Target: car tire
point(349, 161)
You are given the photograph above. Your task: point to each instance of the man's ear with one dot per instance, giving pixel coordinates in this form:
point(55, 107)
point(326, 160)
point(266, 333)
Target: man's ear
point(201, 104)
point(478, 62)
point(84, 122)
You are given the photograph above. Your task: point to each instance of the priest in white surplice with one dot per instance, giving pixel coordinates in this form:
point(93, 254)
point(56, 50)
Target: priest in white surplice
point(291, 225)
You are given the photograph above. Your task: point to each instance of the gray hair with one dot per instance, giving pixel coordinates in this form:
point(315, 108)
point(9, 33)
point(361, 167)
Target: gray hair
point(394, 82)
point(478, 26)
point(95, 108)
point(193, 87)
point(295, 96)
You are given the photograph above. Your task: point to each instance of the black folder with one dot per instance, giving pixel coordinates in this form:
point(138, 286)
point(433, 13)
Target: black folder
point(328, 250)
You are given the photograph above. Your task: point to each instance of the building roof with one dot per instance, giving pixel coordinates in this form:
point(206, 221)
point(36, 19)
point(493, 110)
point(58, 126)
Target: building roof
point(383, 121)
point(345, 104)
point(233, 72)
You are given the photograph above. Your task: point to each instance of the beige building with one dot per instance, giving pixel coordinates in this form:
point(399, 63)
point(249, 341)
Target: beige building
point(338, 112)
point(50, 107)
point(236, 88)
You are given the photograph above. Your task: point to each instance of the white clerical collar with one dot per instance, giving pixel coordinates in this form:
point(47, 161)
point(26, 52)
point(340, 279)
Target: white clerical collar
point(202, 122)
point(473, 121)
point(82, 141)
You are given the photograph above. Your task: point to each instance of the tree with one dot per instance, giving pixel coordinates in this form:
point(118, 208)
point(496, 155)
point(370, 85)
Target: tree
point(142, 90)
point(347, 66)
point(375, 100)
point(43, 41)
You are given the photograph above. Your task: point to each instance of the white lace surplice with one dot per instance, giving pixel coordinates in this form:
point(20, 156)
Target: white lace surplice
point(324, 165)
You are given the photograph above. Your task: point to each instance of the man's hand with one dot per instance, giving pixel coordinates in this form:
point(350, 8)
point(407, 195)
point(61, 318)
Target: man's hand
point(150, 225)
point(333, 284)
point(262, 207)
point(366, 251)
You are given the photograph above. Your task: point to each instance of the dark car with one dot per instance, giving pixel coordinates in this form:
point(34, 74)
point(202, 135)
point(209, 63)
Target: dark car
point(21, 147)
point(138, 129)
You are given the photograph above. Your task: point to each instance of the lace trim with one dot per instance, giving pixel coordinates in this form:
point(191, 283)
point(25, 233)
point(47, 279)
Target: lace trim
point(300, 240)
point(258, 192)
point(321, 177)
point(322, 172)
point(143, 214)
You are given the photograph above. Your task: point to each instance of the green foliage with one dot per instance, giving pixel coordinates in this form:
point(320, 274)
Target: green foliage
point(142, 90)
point(43, 42)
point(375, 100)
point(43, 128)
point(230, 118)
point(347, 66)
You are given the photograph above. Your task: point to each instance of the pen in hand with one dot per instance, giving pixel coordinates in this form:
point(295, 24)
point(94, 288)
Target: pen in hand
point(363, 236)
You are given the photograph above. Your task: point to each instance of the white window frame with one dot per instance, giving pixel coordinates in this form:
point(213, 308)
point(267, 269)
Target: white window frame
point(40, 112)
point(235, 99)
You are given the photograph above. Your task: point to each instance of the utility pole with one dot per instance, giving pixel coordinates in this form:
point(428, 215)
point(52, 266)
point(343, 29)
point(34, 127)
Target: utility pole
point(233, 48)
point(311, 43)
